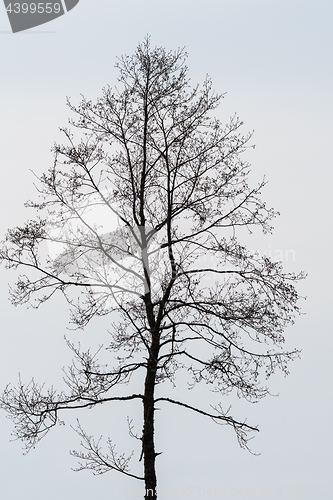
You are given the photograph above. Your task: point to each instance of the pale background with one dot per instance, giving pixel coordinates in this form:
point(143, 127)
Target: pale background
point(274, 60)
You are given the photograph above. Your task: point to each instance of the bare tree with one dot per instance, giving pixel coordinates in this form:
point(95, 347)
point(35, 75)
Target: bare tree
point(188, 295)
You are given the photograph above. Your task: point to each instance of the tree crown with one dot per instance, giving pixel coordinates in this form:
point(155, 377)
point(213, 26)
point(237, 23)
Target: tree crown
point(144, 213)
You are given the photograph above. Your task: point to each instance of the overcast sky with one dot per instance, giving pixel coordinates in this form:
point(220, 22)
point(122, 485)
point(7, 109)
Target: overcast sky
point(274, 60)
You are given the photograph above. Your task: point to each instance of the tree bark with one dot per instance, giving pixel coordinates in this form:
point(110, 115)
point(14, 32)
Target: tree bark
point(148, 445)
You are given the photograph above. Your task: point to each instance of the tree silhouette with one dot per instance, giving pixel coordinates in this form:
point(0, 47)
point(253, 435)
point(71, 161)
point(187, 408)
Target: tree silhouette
point(151, 158)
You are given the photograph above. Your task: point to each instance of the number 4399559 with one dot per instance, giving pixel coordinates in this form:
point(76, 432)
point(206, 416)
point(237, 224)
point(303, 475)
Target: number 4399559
point(33, 8)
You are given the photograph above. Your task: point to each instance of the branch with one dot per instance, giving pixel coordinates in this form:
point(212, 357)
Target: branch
point(241, 428)
point(98, 462)
point(34, 413)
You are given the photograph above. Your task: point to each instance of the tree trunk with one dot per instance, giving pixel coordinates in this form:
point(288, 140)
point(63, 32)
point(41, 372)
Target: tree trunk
point(148, 445)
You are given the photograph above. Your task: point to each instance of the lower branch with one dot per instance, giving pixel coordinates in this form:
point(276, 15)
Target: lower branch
point(35, 413)
point(241, 428)
point(98, 462)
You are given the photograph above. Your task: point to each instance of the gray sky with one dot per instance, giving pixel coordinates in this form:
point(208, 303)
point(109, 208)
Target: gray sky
point(274, 60)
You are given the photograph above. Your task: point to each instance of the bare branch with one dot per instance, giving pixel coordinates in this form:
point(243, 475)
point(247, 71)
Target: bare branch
point(241, 428)
point(97, 461)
